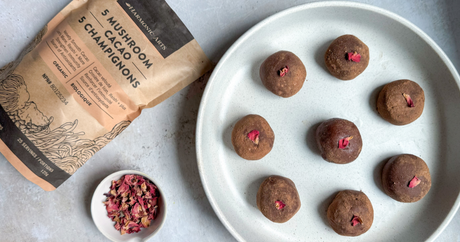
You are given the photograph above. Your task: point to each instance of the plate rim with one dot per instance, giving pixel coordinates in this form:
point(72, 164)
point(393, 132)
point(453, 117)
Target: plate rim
point(259, 25)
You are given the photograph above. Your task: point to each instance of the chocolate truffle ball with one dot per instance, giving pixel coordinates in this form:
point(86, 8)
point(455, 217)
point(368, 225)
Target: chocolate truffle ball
point(406, 178)
point(339, 140)
point(401, 102)
point(283, 73)
point(347, 57)
point(252, 137)
point(278, 199)
point(350, 213)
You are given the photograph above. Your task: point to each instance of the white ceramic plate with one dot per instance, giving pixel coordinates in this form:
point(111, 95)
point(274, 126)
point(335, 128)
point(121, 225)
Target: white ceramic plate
point(105, 224)
point(398, 50)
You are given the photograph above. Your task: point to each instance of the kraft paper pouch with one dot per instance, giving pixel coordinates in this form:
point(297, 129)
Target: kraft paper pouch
point(85, 77)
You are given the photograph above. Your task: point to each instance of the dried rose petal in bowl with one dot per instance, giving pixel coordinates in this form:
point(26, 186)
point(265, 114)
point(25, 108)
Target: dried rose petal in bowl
point(132, 203)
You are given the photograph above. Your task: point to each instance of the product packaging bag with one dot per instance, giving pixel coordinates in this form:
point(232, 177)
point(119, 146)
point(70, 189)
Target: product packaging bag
point(85, 77)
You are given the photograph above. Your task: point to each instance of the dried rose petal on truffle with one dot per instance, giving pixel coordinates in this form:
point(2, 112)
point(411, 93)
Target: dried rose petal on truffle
point(354, 56)
point(343, 143)
point(355, 220)
point(414, 182)
point(409, 101)
point(283, 71)
point(254, 136)
point(279, 205)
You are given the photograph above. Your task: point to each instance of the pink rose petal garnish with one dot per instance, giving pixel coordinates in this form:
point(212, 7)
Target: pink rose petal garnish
point(355, 220)
point(254, 136)
point(283, 71)
point(414, 182)
point(409, 101)
point(279, 205)
point(343, 143)
point(354, 56)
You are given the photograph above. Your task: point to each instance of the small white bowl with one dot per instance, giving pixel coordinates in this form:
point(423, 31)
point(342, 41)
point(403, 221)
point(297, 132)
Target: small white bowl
point(106, 225)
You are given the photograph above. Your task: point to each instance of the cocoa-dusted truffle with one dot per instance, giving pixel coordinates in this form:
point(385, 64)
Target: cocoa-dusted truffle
point(350, 213)
point(252, 137)
point(278, 199)
point(406, 178)
point(347, 57)
point(283, 73)
point(339, 140)
point(401, 102)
